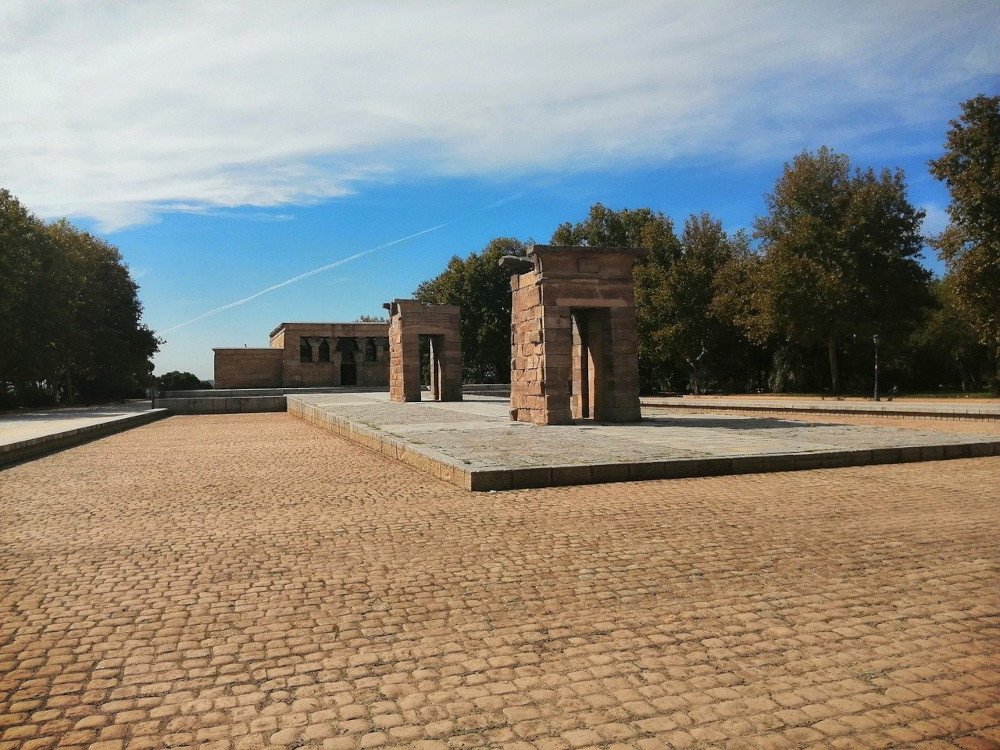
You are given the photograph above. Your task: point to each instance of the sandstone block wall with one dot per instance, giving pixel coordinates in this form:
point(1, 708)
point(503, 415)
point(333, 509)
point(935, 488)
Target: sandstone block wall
point(289, 338)
point(574, 347)
point(408, 321)
point(363, 347)
point(247, 368)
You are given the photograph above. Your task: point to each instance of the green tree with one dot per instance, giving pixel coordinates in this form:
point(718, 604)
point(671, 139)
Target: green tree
point(175, 380)
point(70, 317)
point(970, 167)
point(101, 341)
point(677, 310)
point(639, 227)
point(645, 228)
point(481, 288)
point(946, 346)
point(28, 299)
point(840, 249)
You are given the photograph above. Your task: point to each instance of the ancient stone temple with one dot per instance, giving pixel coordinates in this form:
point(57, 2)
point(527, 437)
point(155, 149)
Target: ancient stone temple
point(409, 322)
point(574, 350)
point(303, 355)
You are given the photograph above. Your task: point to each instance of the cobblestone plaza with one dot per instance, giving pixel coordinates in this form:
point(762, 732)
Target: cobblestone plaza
point(247, 581)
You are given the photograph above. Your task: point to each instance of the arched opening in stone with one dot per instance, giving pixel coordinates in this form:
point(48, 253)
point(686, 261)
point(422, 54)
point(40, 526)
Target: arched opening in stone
point(348, 347)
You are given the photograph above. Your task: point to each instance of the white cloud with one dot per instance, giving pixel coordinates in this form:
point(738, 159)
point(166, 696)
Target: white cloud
point(118, 110)
point(935, 220)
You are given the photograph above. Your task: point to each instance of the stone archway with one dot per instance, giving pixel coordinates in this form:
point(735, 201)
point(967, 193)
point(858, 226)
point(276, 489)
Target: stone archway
point(409, 320)
point(574, 348)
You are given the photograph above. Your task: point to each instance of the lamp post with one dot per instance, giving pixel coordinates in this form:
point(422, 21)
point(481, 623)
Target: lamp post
point(875, 341)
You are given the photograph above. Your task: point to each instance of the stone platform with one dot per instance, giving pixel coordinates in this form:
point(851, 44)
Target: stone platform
point(473, 444)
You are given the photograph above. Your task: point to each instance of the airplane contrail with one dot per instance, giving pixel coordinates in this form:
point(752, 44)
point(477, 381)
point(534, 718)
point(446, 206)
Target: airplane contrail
point(337, 263)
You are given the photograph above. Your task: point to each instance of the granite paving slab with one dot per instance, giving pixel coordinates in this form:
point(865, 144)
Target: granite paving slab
point(474, 444)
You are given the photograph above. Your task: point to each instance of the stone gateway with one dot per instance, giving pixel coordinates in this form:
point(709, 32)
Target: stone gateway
point(409, 320)
point(574, 349)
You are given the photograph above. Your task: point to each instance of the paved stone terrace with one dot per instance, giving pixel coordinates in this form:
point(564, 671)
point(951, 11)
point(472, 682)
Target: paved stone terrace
point(17, 426)
point(474, 445)
point(948, 408)
point(246, 581)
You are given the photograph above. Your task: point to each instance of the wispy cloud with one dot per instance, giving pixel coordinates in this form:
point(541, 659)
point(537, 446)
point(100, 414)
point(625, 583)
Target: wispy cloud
point(117, 111)
point(339, 263)
point(935, 220)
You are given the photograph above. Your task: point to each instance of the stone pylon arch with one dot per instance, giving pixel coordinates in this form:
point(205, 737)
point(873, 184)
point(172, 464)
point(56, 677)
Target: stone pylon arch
point(574, 347)
point(409, 319)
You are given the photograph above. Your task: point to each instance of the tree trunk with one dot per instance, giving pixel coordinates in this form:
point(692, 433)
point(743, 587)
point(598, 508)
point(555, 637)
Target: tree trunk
point(831, 348)
point(69, 386)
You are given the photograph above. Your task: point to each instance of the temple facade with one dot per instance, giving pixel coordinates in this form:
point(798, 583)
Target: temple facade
point(309, 355)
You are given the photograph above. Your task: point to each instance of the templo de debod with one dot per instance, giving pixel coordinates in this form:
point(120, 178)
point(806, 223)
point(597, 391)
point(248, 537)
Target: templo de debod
point(309, 355)
point(574, 349)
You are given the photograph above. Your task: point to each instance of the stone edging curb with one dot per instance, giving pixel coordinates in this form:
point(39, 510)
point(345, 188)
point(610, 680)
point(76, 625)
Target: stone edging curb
point(426, 460)
point(861, 411)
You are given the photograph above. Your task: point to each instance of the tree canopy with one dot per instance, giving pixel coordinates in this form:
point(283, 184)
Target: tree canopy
point(677, 309)
point(70, 316)
point(640, 227)
point(836, 264)
point(482, 289)
point(840, 257)
point(175, 380)
point(683, 338)
point(970, 167)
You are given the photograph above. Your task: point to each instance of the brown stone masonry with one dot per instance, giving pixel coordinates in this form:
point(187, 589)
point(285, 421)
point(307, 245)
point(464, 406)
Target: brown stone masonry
point(309, 355)
point(410, 319)
point(574, 351)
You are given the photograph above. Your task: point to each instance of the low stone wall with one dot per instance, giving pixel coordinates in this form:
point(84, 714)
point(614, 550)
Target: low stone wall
point(500, 390)
point(913, 409)
point(240, 400)
point(224, 405)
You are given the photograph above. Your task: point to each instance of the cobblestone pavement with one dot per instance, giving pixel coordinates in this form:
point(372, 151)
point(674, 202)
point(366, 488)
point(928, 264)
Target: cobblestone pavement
point(249, 581)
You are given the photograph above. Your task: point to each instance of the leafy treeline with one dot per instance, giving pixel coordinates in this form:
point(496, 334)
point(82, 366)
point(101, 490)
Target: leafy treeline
point(798, 305)
point(177, 380)
point(70, 317)
point(482, 289)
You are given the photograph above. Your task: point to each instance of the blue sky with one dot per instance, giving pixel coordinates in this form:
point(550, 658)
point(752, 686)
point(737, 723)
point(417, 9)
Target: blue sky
point(227, 148)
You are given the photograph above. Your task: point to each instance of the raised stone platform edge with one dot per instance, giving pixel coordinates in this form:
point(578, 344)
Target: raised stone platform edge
point(426, 460)
point(25, 450)
point(485, 480)
point(883, 409)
